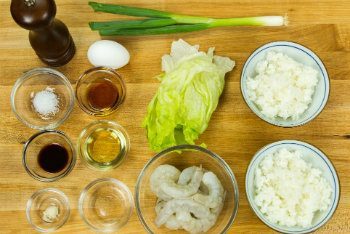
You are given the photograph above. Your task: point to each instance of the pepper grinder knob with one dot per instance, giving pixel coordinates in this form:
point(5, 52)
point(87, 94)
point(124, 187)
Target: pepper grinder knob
point(49, 37)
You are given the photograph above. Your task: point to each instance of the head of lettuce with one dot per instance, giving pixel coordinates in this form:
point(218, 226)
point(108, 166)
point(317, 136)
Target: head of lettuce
point(189, 92)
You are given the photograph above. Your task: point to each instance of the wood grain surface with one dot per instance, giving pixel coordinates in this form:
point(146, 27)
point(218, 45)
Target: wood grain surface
point(234, 131)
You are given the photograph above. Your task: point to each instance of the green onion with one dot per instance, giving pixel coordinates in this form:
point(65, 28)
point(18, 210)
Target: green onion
point(162, 22)
point(126, 10)
point(122, 24)
point(153, 31)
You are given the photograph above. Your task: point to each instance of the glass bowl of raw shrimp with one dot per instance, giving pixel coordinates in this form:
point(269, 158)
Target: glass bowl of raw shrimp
point(185, 189)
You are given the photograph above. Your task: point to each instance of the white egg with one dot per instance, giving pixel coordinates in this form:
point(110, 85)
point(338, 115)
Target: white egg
point(108, 54)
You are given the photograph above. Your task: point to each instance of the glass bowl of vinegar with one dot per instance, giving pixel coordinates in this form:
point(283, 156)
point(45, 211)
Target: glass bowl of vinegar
point(103, 145)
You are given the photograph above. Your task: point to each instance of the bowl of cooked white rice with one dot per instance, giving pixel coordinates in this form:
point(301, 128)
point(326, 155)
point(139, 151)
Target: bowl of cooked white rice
point(285, 84)
point(292, 187)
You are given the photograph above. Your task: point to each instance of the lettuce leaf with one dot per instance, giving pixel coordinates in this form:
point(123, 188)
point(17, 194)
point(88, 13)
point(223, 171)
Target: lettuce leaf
point(189, 93)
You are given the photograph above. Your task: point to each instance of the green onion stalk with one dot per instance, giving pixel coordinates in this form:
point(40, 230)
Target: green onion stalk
point(162, 22)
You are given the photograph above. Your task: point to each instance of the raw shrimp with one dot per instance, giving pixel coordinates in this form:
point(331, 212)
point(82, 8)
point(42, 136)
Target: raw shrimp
point(180, 205)
point(191, 200)
point(216, 192)
point(183, 216)
point(203, 189)
point(217, 210)
point(186, 175)
point(194, 225)
point(163, 173)
point(172, 222)
point(175, 190)
point(159, 205)
point(188, 214)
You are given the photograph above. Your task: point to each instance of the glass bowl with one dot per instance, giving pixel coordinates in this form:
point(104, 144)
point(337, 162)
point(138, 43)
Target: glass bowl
point(106, 205)
point(34, 81)
point(33, 147)
point(103, 139)
point(191, 155)
point(103, 85)
point(311, 155)
point(302, 55)
point(38, 204)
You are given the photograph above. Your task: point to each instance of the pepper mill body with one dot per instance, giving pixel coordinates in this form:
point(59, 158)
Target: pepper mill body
point(49, 37)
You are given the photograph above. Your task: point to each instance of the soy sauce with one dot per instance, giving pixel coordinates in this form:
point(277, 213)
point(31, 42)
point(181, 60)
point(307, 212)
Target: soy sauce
point(53, 158)
point(102, 94)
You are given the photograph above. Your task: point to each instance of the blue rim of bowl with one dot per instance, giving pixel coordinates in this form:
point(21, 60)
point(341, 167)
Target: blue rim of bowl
point(188, 147)
point(42, 179)
point(27, 75)
point(115, 182)
point(321, 155)
point(30, 203)
point(308, 52)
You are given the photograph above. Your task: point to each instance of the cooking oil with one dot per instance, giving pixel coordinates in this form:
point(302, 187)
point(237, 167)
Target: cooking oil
point(105, 147)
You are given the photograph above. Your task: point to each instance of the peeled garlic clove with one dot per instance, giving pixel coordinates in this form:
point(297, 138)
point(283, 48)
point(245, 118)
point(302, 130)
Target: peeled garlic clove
point(108, 54)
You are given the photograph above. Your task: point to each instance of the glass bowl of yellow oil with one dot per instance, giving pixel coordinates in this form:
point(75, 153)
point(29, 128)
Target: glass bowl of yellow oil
point(103, 145)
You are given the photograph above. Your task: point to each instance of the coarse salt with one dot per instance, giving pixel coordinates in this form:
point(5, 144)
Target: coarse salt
point(46, 103)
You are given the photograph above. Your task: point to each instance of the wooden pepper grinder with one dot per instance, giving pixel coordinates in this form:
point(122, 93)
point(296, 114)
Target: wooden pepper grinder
point(49, 37)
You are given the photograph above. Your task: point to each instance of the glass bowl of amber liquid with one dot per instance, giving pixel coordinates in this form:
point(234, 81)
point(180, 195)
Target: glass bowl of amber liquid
point(49, 156)
point(100, 91)
point(103, 145)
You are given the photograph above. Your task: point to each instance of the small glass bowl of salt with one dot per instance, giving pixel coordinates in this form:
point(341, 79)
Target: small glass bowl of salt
point(42, 98)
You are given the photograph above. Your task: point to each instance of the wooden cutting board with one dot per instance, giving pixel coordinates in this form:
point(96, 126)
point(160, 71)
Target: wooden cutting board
point(234, 132)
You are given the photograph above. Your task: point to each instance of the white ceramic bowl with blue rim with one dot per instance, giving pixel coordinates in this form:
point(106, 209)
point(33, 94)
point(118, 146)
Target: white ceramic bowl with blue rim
point(302, 55)
point(311, 155)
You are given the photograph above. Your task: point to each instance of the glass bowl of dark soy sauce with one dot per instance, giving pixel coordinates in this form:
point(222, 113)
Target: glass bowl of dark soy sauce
point(49, 155)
